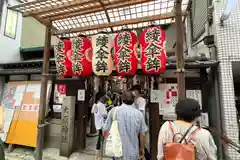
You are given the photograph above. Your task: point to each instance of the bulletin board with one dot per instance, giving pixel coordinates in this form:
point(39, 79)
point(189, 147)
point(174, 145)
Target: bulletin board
point(23, 130)
point(11, 101)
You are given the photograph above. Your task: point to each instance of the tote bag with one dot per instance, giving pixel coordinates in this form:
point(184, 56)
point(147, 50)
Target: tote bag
point(113, 146)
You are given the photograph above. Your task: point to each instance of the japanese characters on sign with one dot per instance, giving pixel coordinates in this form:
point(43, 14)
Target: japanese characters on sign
point(63, 63)
point(30, 107)
point(152, 42)
point(77, 56)
point(126, 59)
point(81, 56)
point(102, 59)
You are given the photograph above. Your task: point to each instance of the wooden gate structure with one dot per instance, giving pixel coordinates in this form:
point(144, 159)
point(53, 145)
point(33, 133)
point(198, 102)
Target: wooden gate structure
point(69, 18)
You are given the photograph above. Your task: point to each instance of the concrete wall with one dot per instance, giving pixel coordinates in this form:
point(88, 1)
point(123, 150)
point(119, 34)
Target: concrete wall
point(227, 41)
point(33, 33)
point(10, 47)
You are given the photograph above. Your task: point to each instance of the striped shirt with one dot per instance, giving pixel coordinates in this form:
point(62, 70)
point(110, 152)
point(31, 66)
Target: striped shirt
point(130, 122)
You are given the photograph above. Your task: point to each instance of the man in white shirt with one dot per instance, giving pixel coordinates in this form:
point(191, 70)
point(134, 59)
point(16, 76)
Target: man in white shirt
point(140, 102)
point(100, 112)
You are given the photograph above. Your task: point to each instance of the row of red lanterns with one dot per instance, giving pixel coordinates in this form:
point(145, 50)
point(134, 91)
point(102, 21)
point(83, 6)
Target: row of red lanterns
point(82, 56)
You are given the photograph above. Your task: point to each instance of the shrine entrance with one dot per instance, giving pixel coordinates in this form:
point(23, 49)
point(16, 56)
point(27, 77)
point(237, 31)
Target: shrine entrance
point(114, 38)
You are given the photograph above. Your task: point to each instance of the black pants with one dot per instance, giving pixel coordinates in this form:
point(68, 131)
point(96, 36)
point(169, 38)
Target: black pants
point(2, 157)
point(100, 140)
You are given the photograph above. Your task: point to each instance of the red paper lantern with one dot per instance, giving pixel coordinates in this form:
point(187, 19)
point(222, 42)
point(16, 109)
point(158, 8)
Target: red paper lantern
point(126, 58)
point(152, 42)
point(62, 59)
point(81, 54)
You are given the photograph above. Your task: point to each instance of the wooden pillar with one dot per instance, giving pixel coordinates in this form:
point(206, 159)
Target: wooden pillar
point(67, 135)
point(93, 131)
point(179, 52)
point(81, 118)
point(154, 122)
point(44, 82)
point(204, 91)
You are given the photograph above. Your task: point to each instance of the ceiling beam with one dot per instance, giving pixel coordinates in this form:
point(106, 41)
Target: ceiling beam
point(118, 4)
point(107, 15)
point(56, 8)
point(25, 4)
point(118, 23)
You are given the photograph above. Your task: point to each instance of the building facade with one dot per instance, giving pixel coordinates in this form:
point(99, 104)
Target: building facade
point(10, 38)
point(228, 51)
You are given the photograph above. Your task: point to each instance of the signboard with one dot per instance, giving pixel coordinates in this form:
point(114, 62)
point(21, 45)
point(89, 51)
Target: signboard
point(195, 94)
point(11, 101)
point(23, 129)
point(81, 95)
point(167, 97)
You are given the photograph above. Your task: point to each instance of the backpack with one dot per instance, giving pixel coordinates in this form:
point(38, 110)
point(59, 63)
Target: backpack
point(181, 150)
point(113, 147)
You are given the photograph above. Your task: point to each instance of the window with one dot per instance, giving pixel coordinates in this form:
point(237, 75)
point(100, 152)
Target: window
point(1, 10)
point(11, 24)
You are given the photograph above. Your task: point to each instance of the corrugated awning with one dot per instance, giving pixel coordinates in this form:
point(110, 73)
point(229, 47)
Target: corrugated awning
point(91, 16)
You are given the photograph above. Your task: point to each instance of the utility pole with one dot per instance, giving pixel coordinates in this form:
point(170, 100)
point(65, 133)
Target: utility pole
point(43, 102)
point(179, 52)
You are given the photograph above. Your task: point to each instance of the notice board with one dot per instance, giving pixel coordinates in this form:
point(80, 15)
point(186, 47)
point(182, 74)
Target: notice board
point(23, 130)
point(11, 101)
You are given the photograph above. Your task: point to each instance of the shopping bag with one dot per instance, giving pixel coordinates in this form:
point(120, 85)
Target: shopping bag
point(113, 146)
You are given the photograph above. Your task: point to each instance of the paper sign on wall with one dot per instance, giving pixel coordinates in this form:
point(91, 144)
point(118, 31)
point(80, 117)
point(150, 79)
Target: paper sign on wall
point(195, 94)
point(81, 95)
point(155, 96)
point(167, 97)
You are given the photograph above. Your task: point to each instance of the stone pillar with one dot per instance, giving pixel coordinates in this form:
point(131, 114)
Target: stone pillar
point(67, 135)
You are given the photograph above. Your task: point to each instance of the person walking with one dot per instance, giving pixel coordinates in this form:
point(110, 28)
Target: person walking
point(139, 102)
point(187, 111)
point(131, 124)
point(100, 113)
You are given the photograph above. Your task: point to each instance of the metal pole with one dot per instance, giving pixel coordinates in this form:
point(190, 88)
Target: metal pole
point(44, 82)
point(179, 51)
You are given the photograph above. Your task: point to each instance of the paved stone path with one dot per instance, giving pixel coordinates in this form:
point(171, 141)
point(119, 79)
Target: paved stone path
point(48, 154)
point(24, 153)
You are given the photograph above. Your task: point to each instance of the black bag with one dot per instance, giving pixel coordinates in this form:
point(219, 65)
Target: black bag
point(147, 155)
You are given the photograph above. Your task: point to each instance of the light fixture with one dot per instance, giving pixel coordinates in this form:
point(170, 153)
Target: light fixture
point(230, 5)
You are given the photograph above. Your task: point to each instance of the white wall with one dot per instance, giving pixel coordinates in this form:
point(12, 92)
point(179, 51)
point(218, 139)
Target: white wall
point(10, 47)
point(33, 33)
point(227, 41)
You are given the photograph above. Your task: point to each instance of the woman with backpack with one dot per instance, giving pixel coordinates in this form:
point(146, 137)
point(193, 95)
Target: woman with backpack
point(183, 139)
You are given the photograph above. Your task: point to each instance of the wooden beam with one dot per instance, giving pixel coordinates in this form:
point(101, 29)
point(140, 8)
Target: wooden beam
point(55, 8)
point(25, 4)
point(117, 4)
point(107, 15)
point(117, 23)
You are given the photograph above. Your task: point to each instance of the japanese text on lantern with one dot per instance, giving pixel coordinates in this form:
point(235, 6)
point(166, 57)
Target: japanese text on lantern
point(76, 56)
point(102, 54)
point(60, 57)
point(153, 50)
point(124, 41)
